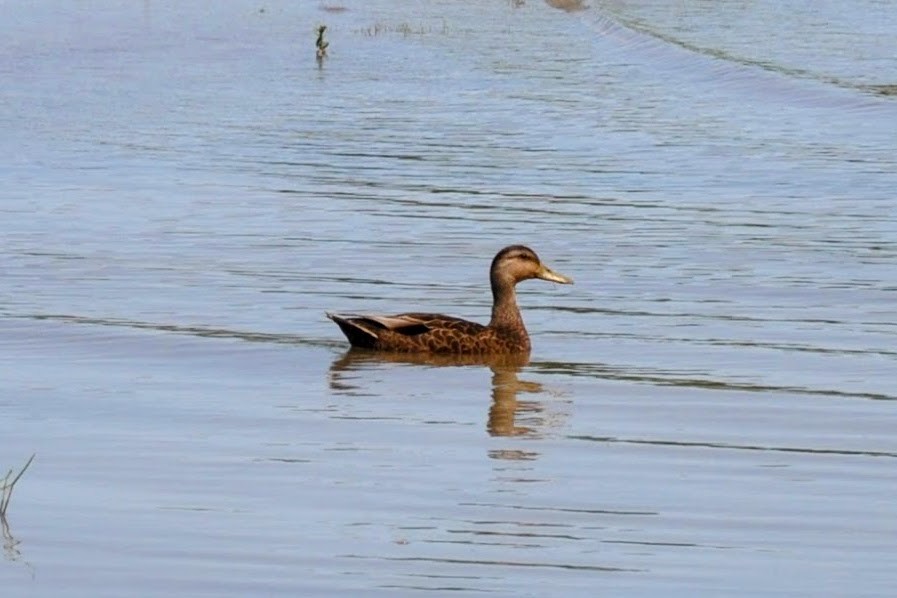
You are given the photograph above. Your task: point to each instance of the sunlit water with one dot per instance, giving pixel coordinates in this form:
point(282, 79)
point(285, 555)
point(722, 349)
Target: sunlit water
point(709, 410)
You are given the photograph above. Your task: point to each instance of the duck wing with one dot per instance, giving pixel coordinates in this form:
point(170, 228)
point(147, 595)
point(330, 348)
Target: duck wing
point(376, 331)
point(411, 324)
point(417, 323)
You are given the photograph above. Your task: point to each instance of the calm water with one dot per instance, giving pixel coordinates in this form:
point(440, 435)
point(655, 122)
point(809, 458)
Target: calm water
point(710, 410)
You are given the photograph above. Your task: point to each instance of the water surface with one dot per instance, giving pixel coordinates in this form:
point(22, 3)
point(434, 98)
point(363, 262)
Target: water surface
point(709, 410)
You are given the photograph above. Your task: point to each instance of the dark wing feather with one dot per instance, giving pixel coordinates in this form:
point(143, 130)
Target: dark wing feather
point(442, 322)
point(408, 332)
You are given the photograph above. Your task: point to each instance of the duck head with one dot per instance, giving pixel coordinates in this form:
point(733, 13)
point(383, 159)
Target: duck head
point(518, 262)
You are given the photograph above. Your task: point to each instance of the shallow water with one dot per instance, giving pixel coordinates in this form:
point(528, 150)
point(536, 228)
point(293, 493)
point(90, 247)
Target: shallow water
point(709, 410)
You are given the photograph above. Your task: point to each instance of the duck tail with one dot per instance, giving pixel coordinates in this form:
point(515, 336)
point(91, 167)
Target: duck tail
point(359, 336)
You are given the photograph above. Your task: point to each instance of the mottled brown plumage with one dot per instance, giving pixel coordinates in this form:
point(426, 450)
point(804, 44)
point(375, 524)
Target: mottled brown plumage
point(437, 333)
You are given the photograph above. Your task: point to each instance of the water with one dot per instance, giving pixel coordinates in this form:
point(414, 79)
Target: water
point(708, 411)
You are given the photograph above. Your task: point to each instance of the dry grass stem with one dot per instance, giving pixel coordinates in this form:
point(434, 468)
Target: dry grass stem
point(6, 487)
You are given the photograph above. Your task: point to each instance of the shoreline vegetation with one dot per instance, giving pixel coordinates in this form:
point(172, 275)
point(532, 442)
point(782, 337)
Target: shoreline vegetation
point(403, 29)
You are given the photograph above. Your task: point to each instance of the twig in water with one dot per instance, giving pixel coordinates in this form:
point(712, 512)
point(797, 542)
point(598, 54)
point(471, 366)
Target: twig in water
point(6, 487)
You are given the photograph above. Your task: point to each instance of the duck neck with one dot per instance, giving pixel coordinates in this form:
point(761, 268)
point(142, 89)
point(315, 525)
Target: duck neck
point(505, 313)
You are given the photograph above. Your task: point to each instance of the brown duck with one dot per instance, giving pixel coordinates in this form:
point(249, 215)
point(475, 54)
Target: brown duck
point(436, 333)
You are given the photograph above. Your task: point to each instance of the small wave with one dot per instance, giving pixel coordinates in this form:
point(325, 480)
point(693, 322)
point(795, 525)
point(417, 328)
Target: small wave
point(737, 447)
point(694, 380)
point(728, 67)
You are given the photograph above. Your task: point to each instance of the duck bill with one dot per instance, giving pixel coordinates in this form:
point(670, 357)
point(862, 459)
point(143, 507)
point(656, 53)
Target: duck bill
point(547, 273)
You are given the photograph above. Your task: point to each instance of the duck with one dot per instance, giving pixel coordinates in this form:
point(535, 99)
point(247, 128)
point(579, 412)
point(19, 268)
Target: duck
point(442, 334)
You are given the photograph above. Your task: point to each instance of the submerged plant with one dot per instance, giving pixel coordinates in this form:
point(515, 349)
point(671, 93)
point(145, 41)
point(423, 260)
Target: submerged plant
point(6, 486)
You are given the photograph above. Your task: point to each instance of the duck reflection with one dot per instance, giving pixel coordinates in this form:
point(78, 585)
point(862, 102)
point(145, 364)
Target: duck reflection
point(506, 412)
point(506, 408)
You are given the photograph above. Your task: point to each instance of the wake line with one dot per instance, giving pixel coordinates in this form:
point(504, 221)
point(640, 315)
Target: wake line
point(200, 331)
